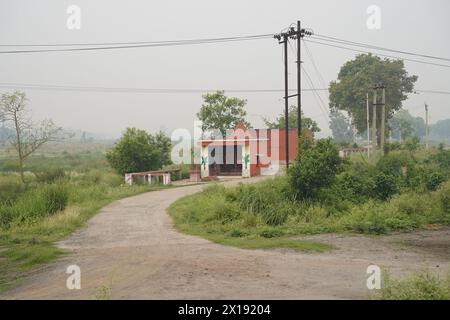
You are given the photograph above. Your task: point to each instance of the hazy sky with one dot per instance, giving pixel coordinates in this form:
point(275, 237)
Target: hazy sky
point(418, 26)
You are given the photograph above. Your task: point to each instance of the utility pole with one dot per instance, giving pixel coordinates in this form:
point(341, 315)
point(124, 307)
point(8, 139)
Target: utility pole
point(283, 38)
point(299, 81)
point(383, 118)
point(426, 127)
point(286, 99)
point(374, 125)
point(368, 126)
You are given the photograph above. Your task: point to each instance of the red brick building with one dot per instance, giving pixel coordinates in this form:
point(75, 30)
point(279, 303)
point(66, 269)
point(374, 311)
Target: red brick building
point(247, 152)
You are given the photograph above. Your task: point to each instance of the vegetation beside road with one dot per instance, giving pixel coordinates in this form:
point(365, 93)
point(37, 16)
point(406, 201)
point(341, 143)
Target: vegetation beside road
point(405, 190)
point(54, 204)
point(422, 285)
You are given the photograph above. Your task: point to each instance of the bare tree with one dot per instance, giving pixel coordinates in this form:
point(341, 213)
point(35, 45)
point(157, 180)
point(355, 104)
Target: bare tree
point(28, 136)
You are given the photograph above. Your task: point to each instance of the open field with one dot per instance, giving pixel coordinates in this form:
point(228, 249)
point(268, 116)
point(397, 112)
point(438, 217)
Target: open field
point(63, 190)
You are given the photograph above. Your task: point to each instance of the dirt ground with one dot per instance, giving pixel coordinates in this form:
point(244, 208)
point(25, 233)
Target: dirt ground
point(131, 250)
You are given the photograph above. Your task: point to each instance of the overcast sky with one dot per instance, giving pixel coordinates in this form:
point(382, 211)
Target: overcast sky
point(417, 26)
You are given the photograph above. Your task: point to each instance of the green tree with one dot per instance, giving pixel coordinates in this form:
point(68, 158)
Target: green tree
point(280, 122)
point(358, 77)
point(441, 130)
point(404, 126)
point(341, 127)
point(221, 113)
point(315, 168)
point(138, 151)
point(25, 136)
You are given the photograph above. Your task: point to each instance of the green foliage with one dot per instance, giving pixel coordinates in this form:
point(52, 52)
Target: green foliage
point(440, 130)
point(404, 126)
point(422, 285)
point(221, 113)
point(444, 198)
point(55, 198)
point(358, 76)
point(385, 186)
point(316, 165)
point(271, 233)
point(442, 159)
point(9, 188)
point(341, 127)
point(50, 175)
point(139, 151)
point(280, 122)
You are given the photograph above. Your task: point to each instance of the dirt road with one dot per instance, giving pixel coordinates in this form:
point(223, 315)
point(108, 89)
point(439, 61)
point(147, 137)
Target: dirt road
point(131, 250)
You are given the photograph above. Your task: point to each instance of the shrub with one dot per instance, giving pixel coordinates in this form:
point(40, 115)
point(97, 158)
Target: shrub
point(6, 216)
point(393, 163)
point(260, 196)
point(55, 198)
point(385, 186)
point(433, 180)
point(9, 188)
point(442, 158)
point(316, 165)
point(275, 215)
point(50, 175)
point(271, 233)
point(443, 194)
point(420, 286)
point(237, 233)
point(227, 212)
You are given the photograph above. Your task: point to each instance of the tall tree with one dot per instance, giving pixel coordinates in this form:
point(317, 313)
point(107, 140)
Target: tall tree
point(138, 151)
point(341, 127)
point(280, 122)
point(27, 136)
point(441, 130)
point(403, 125)
point(358, 77)
point(221, 113)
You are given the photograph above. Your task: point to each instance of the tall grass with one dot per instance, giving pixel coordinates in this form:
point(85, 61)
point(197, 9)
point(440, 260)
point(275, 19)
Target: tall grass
point(46, 211)
point(422, 285)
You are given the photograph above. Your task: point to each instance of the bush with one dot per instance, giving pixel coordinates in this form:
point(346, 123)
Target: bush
point(260, 196)
point(443, 194)
point(227, 212)
point(316, 165)
point(393, 163)
point(9, 188)
point(420, 286)
point(6, 216)
point(275, 215)
point(50, 175)
point(385, 186)
point(271, 233)
point(55, 198)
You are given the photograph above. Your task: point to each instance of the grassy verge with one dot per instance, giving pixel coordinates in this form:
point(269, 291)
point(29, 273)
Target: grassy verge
point(423, 285)
point(196, 215)
point(261, 216)
point(26, 245)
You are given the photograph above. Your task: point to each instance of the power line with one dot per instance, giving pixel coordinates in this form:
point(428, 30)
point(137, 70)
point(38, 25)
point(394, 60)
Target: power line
point(165, 90)
point(379, 54)
point(137, 90)
point(433, 91)
point(129, 45)
point(359, 44)
point(321, 102)
point(321, 79)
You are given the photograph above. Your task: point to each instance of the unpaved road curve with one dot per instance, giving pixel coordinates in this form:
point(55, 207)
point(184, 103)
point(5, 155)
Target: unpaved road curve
point(132, 248)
